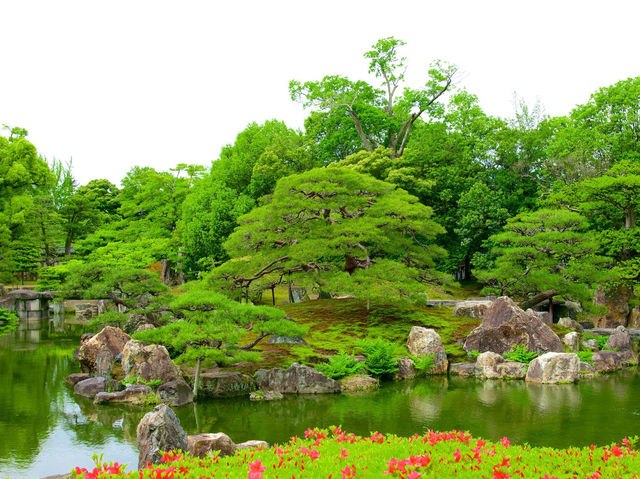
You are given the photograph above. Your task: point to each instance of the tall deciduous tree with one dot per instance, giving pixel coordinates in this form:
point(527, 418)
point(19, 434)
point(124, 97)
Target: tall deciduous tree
point(380, 117)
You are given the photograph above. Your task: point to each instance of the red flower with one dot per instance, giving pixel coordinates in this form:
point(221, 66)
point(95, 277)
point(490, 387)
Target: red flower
point(457, 455)
point(256, 469)
point(505, 442)
point(343, 452)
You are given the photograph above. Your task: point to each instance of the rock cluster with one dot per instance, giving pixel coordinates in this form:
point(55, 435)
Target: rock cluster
point(505, 325)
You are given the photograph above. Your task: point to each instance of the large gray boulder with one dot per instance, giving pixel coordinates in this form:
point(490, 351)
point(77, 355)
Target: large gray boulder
point(107, 343)
point(175, 393)
point(220, 384)
point(608, 361)
point(159, 430)
point(554, 368)
point(298, 379)
point(423, 342)
point(134, 394)
point(490, 365)
point(620, 340)
point(633, 321)
point(90, 387)
point(148, 362)
point(505, 325)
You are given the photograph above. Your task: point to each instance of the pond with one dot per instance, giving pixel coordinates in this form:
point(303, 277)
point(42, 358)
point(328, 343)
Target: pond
point(46, 430)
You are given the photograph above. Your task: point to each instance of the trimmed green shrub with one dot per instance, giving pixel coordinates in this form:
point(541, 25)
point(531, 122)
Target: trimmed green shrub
point(340, 366)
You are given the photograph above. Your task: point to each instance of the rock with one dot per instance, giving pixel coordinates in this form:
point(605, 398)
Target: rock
point(74, 378)
point(617, 302)
point(252, 445)
point(298, 379)
point(297, 294)
point(86, 311)
point(132, 394)
point(110, 340)
point(159, 430)
point(285, 340)
point(201, 445)
point(422, 342)
point(572, 341)
point(86, 337)
point(462, 369)
point(471, 309)
point(590, 344)
point(90, 387)
point(265, 396)
point(225, 384)
point(634, 318)
point(554, 368)
point(490, 365)
point(175, 393)
point(148, 362)
point(587, 371)
point(144, 327)
point(570, 324)
point(102, 306)
point(505, 325)
point(104, 363)
point(406, 369)
point(606, 361)
point(545, 316)
point(358, 383)
point(620, 340)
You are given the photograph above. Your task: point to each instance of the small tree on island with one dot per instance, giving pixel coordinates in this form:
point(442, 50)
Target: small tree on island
point(544, 254)
point(209, 327)
point(328, 228)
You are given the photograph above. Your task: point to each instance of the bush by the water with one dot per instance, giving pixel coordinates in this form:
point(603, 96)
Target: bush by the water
point(8, 321)
point(340, 366)
point(338, 454)
point(520, 354)
point(379, 354)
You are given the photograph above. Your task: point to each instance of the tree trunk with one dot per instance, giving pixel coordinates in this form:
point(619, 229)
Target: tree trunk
point(196, 381)
point(538, 298)
point(273, 296)
point(551, 308)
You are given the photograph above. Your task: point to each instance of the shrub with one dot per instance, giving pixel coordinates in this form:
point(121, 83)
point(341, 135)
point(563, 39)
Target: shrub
point(601, 340)
point(8, 321)
point(434, 455)
point(585, 356)
point(339, 366)
point(379, 354)
point(153, 383)
point(110, 318)
point(423, 363)
point(519, 353)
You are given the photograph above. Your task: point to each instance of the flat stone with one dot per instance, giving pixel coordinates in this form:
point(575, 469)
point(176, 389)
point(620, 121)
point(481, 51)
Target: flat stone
point(462, 369)
point(201, 445)
point(225, 384)
point(285, 340)
point(74, 378)
point(90, 387)
point(358, 383)
point(133, 394)
point(252, 445)
point(471, 309)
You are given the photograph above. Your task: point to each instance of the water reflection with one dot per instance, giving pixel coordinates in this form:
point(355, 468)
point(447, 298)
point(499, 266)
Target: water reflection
point(46, 430)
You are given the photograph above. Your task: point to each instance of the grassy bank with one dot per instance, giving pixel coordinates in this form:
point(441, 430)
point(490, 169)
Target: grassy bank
point(337, 454)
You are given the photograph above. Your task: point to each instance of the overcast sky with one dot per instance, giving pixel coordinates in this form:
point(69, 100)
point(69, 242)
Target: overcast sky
point(154, 83)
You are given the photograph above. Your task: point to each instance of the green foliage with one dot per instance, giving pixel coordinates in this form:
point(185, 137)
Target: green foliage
point(379, 354)
point(600, 339)
point(152, 383)
point(585, 356)
point(332, 226)
point(520, 354)
point(8, 321)
point(110, 318)
point(547, 250)
point(424, 363)
point(340, 366)
point(473, 353)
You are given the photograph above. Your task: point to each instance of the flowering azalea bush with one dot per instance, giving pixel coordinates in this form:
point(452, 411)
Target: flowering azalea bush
point(337, 454)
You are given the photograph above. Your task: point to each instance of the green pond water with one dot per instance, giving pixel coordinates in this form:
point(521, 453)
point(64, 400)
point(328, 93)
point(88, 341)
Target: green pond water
point(45, 430)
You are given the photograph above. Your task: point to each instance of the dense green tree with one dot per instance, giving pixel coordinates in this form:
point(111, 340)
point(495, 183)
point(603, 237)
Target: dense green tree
point(546, 253)
point(325, 222)
point(380, 117)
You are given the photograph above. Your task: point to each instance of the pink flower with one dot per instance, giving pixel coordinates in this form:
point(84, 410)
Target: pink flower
point(343, 452)
point(256, 469)
point(505, 442)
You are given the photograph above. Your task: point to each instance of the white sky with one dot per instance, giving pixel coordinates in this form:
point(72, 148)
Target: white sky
point(114, 84)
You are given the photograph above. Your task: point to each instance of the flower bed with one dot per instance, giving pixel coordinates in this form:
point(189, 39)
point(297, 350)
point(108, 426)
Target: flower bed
point(337, 454)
